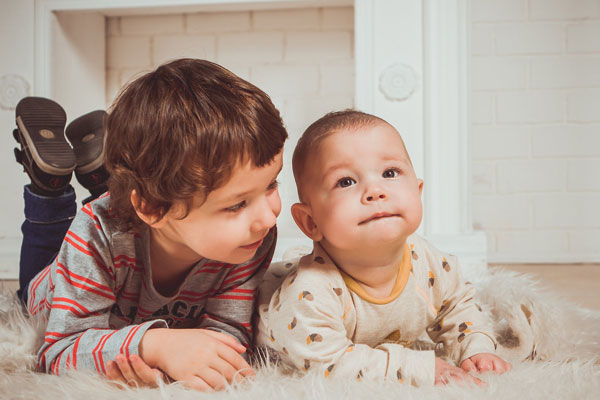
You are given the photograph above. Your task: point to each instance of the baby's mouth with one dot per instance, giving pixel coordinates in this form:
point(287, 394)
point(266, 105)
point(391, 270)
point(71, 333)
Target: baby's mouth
point(378, 216)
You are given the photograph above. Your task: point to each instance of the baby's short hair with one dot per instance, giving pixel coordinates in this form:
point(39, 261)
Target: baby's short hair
point(313, 136)
point(178, 132)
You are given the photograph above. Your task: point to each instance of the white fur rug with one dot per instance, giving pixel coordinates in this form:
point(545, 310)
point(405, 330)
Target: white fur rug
point(566, 365)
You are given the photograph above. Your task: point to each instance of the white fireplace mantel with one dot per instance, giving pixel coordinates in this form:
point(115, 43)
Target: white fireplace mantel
point(411, 60)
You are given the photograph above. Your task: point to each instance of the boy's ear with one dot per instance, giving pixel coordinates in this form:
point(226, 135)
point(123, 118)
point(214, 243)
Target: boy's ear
point(302, 215)
point(151, 220)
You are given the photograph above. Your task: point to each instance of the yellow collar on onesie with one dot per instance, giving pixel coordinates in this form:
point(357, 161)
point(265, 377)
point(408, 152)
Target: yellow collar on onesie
point(404, 268)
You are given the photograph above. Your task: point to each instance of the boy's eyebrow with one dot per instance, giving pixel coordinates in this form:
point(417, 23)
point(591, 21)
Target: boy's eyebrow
point(245, 193)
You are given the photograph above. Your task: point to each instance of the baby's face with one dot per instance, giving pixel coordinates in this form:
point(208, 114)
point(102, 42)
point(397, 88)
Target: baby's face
point(362, 189)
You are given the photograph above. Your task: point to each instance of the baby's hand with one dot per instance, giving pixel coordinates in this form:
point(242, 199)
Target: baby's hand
point(483, 362)
point(444, 373)
point(133, 371)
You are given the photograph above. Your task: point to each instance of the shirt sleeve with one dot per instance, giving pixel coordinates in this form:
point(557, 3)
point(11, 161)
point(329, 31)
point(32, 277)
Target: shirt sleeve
point(305, 325)
point(461, 325)
point(231, 309)
point(76, 294)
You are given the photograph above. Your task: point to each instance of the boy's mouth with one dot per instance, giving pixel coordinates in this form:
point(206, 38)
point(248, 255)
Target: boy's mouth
point(377, 216)
point(254, 245)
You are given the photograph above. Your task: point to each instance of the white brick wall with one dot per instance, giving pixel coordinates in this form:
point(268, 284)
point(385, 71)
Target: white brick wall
point(536, 128)
point(535, 104)
point(303, 58)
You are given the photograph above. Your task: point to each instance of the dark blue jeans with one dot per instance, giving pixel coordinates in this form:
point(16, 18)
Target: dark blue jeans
point(47, 220)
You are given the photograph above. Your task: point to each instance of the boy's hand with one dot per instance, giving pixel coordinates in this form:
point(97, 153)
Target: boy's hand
point(483, 362)
point(201, 358)
point(133, 372)
point(444, 373)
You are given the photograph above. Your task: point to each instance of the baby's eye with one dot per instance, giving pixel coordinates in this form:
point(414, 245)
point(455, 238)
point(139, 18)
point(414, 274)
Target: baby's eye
point(345, 182)
point(237, 207)
point(390, 173)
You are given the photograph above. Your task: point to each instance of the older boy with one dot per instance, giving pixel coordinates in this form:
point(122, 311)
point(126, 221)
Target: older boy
point(357, 305)
point(181, 241)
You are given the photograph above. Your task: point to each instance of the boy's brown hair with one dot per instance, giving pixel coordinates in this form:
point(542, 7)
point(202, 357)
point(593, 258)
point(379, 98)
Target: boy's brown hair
point(178, 132)
point(321, 129)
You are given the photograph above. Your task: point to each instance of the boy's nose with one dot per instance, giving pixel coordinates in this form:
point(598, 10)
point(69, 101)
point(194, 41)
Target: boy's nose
point(265, 218)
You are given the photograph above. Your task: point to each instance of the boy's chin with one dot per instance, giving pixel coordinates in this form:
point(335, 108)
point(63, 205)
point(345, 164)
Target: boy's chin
point(241, 256)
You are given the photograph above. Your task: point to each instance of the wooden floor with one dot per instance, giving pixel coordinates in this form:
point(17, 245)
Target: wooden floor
point(579, 283)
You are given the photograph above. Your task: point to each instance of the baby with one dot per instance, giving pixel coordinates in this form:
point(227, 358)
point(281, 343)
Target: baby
point(357, 305)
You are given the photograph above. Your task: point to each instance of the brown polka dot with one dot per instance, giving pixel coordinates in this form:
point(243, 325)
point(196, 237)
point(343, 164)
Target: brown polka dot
point(464, 326)
point(350, 348)
point(338, 291)
point(314, 337)
point(288, 265)
point(461, 337)
point(271, 337)
point(399, 374)
point(306, 295)
point(306, 365)
point(445, 265)
point(319, 260)
point(329, 369)
point(285, 351)
point(360, 375)
point(292, 324)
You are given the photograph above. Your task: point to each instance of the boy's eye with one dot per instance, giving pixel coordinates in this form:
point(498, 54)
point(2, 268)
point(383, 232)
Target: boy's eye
point(236, 207)
point(273, 185)
point(345, 182)
point(390, 173)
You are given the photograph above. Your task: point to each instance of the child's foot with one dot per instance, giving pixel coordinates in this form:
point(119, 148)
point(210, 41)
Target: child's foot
point(86, 134)
point(45, 154)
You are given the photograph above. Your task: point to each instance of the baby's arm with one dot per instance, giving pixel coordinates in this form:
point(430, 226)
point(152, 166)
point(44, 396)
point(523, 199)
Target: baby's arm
point(461, 324)
point(305, 323)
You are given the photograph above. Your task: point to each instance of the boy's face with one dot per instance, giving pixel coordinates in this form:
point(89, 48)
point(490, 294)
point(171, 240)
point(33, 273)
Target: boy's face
point(361, 189)
point(233, 221)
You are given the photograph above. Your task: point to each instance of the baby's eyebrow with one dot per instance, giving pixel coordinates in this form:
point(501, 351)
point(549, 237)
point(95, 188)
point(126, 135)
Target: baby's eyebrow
point(333, 168)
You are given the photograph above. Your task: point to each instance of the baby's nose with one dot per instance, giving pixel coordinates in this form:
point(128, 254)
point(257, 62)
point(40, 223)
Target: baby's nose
point(374, 194)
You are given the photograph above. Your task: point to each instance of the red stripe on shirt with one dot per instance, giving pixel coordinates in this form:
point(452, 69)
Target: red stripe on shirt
point(228, 297)
point(88, 210)
point(83, 280)
point(137, 328)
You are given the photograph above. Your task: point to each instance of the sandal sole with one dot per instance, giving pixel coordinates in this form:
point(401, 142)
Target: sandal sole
point(86, 134)
point(41, 124)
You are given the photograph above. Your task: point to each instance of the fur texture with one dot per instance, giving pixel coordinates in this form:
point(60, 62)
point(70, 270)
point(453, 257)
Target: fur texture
point(565, 364)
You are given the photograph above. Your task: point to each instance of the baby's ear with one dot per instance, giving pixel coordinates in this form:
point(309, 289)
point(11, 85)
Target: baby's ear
point(139, 205)
point(303, 217)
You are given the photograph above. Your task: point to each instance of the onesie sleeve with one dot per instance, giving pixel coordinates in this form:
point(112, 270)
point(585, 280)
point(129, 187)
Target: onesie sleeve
point(461, 325)
point(307, 325)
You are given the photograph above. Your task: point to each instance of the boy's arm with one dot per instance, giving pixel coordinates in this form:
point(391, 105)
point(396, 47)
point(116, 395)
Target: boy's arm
point(305, 324)
point(230, 310)
point(76, 294)
point(461, 325)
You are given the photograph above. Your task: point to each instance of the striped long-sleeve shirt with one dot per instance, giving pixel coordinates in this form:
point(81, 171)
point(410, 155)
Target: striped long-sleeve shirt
point(98, 299)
